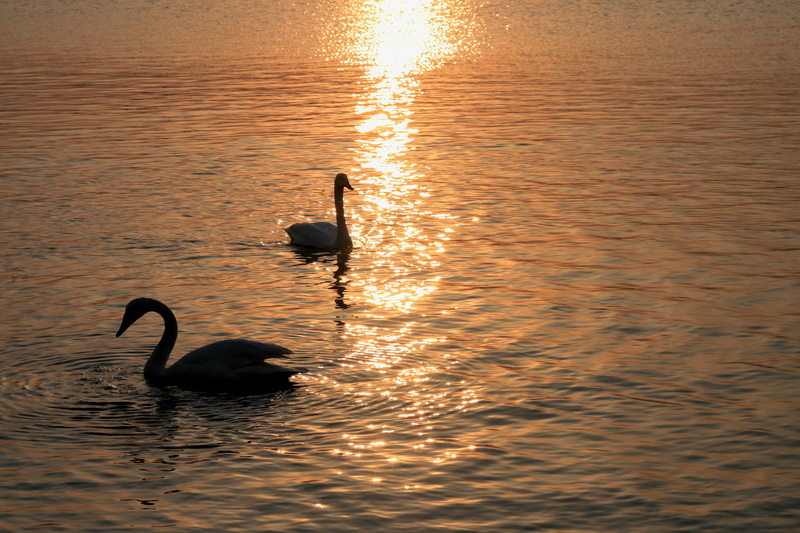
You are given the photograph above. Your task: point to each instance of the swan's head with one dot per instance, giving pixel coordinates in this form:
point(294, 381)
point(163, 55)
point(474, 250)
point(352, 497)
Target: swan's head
point(341, 181)
point(136, 309)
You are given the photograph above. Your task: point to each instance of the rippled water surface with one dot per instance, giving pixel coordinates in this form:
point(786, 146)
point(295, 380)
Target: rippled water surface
point(572, 305)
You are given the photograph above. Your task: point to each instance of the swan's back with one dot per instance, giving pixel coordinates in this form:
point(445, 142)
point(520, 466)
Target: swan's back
point(228, 363)
point(233, 353)
point(234, 359)
point(313, 234)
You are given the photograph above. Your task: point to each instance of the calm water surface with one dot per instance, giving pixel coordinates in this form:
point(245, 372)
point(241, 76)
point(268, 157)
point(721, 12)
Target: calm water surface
point(573, 304)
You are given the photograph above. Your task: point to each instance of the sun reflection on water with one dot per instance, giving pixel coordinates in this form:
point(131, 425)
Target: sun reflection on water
point(401, 37)
point(396, 42)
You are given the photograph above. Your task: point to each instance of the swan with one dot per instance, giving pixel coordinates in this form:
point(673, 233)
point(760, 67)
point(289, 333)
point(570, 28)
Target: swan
point(230, 364)
point(325, 235)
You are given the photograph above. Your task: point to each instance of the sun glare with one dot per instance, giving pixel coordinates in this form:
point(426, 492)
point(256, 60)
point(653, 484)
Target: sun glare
point(404, 36)
point(395, 42)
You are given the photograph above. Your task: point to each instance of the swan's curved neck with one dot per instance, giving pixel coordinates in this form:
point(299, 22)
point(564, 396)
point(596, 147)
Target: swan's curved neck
point(343, 239)
point(157, 364)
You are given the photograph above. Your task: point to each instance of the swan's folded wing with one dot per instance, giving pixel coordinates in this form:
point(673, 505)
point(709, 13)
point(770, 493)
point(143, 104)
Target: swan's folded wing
point(314, 234)
point(233, 353)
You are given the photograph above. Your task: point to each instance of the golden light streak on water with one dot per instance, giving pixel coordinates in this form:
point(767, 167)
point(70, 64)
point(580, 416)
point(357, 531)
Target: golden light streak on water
point(395, 42)
point(400, 37)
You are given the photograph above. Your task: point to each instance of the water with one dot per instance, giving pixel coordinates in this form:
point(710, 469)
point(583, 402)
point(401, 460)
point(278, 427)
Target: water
point(573, 305)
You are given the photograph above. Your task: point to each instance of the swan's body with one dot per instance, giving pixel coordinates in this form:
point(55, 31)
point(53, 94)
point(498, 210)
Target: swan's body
point(234, 364)
point(325, 235)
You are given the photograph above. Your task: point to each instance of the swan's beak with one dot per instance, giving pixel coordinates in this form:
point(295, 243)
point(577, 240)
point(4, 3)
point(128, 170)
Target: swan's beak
point(127, 320)
point(341, 179)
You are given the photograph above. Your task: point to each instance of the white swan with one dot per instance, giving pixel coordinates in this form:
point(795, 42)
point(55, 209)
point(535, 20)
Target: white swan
point(325, 235)
point(230, 364)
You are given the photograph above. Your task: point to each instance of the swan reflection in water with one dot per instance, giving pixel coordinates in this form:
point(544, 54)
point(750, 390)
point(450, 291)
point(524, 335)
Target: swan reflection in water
point(339, 283)
point(230, 365)
point(324, 235)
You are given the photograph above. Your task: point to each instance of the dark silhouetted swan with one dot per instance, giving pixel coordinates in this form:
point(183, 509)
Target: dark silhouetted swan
point(235, 364)
point(325, 235)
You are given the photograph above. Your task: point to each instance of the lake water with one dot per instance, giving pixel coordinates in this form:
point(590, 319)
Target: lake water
point(573, 304)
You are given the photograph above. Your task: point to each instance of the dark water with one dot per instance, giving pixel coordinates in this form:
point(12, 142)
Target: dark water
point(573, 304)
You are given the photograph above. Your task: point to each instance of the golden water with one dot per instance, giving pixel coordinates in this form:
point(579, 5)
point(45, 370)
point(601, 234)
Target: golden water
point(572, 307)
